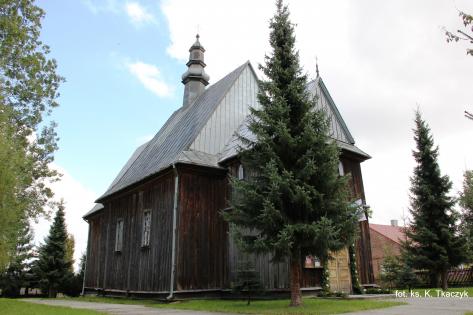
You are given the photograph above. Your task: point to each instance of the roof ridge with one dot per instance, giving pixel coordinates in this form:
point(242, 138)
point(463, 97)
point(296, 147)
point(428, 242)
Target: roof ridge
point(238, 70)
point(199, 111)
point(332, 104)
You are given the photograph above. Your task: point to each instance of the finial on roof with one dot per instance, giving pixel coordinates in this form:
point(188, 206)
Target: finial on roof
point(317, 66)
point(195, 79)
point(197, 44)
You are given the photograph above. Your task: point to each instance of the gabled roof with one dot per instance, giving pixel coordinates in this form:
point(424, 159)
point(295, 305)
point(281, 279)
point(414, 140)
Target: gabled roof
point(339, 129)
point(174, 137)
point(324, 99)
point(394, 233)
point(221, 107)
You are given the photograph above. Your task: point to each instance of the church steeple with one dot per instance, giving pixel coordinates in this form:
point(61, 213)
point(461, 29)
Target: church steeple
point(194, 79)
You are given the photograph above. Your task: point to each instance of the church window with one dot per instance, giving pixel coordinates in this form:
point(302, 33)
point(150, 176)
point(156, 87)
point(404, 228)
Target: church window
point(119, 236)
point(241, 172)
point(341, 171)
point(146, 235)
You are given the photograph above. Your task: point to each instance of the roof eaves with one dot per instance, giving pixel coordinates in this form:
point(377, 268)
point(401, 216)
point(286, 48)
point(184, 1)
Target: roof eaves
point(97, 208)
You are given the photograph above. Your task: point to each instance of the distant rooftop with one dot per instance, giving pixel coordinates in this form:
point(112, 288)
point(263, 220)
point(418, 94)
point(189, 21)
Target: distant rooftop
point(394, 233)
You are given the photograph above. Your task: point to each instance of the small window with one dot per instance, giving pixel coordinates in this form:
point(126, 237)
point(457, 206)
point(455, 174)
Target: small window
point(341, 171)
point(241, 172)
point(312, 262)
point(119, 236)
point(146, 235)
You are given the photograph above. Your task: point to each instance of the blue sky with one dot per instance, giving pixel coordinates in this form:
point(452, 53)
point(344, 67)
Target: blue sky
point(380, 60)
point(105, 111)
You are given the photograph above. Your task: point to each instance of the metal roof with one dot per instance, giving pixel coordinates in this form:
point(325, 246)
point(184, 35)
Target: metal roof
point(172, 144)
point(316, 86)
point(231, 149)
point(96, 208)
point(175, 136)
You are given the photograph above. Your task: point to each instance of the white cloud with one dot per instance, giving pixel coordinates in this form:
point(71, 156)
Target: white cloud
point(378, 59)
point(78, 200)
point(96, 6)
point(149, 76)
point(138, 14)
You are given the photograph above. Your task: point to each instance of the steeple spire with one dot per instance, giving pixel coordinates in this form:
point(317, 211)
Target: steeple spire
point(195, 79)
point(317, 66)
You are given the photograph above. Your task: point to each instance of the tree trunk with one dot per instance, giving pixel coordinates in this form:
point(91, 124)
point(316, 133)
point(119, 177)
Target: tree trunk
point(444, 279)
point(296, 299)
point(434, 279)
point(52, 293)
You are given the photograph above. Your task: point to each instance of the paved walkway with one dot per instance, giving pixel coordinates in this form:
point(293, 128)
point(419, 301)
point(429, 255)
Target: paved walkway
point(416, 306)
point(425, 306)
point(119, 309)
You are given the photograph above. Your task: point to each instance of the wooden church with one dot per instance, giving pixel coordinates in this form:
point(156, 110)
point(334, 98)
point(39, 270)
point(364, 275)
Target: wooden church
point(158, 229)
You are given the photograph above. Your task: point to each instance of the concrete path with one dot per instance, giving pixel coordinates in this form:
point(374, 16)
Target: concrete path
point(119, 309)
point(425, 306)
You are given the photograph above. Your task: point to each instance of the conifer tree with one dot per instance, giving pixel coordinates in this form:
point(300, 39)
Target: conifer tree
point(70, 244)
point(466, 202)
point(53, 265)
point(18, 273)
point(433, 242)
point(247, 279)
point(294, 202)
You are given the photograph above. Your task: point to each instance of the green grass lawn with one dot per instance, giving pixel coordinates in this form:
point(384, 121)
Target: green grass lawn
point(16, 307)
point(311, 306)
point(277, 307)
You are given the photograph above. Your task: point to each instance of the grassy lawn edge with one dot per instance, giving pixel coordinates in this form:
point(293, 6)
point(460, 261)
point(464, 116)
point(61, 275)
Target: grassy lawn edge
point(19, 307)
point(277, 307)
point(281, 307)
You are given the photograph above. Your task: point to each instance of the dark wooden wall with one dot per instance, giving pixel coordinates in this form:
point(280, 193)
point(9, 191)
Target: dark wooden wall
point(273, 275)
point(363, 254)
point(135, 268)
point(202, 234)
point(95, 249)
point(206, 258)
point(352, 167)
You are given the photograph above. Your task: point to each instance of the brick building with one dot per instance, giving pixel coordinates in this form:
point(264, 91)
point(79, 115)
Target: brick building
point(385, 240)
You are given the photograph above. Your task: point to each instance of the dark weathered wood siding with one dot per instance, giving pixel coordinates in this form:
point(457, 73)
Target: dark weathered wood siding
point(363, 254)
point(135, 268)
point(273, 275)
point(202, 253)
point(206, 257)
point(352, 167)
point(95, 251)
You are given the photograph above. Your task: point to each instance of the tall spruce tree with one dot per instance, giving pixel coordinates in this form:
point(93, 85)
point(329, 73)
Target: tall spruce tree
point(70, 245)
point(18, 273)
point(434, 242)
point(293, 202)
point(53, 265)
